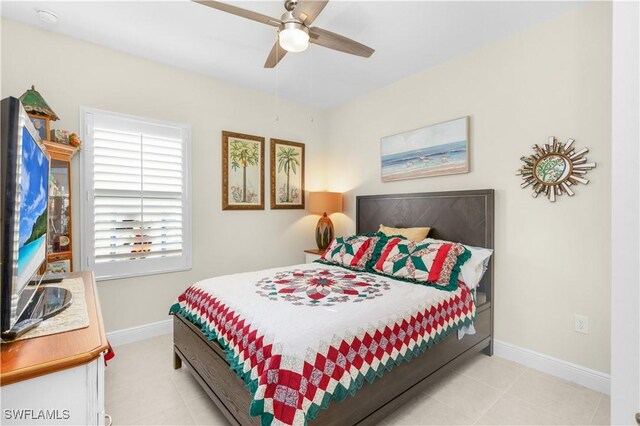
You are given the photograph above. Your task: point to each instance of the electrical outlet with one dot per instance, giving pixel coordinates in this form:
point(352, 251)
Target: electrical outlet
point(581, 324)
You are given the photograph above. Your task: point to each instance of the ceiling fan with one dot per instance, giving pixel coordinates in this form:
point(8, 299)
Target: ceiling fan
point(294, 30)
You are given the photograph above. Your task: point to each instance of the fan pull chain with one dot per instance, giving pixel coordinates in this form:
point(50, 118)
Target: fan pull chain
point(277, 118)
point(311, 80)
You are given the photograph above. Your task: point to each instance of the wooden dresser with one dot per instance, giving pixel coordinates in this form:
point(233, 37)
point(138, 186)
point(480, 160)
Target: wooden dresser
point(57, 379)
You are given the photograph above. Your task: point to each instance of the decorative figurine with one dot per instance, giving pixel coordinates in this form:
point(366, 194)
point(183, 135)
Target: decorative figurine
point(39, 111)
point(74, 140)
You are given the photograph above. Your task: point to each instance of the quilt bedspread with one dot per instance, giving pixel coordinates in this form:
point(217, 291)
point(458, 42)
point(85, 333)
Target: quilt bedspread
point(303, 335)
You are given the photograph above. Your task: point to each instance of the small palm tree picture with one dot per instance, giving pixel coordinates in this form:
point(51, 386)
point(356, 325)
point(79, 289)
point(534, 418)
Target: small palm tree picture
point(287, 174)
point(242, 155)
point(287, 162)
point(242, 171)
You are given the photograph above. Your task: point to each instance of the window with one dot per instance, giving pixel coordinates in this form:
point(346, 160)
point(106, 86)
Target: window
point(136, 215)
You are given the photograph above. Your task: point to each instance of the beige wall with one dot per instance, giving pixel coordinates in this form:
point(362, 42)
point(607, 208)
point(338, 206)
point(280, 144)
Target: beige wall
point(72, 73)
point(552, 260)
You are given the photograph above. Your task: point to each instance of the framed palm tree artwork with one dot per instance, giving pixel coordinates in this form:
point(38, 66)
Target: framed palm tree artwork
point(242, 172)
point(287, 174)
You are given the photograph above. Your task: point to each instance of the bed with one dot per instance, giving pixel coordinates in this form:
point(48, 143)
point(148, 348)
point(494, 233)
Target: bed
point(463, 216)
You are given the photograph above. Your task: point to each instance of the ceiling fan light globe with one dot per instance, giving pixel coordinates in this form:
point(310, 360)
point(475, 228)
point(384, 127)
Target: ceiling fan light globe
point(294, 38)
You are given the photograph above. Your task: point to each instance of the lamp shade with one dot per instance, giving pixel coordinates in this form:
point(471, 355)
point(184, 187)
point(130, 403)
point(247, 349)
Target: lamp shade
point(325, 202)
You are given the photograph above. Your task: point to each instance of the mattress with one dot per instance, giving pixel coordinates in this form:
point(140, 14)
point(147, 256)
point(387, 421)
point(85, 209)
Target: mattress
point(304, 335)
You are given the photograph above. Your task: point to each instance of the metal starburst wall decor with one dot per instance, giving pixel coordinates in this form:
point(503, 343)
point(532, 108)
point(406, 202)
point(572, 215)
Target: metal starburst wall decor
point(554, 167)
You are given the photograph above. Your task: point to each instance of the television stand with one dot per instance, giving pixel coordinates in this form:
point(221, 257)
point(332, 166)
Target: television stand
point(46, 303)
point(60, 373)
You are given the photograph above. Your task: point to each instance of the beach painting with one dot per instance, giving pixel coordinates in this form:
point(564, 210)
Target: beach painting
point(435, 150)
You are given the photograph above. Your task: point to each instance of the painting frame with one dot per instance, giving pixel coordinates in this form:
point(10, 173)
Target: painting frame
point(228, 203)
point(275, 169)
point(428, 152)
point(42, 125)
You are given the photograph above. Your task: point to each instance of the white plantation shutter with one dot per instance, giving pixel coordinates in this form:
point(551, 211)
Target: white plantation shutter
point(136, 219)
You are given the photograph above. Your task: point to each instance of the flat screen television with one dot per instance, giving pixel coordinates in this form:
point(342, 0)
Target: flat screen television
point(24, 175)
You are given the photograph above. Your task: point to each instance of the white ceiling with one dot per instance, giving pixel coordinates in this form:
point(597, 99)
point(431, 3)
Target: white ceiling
point(408, 36)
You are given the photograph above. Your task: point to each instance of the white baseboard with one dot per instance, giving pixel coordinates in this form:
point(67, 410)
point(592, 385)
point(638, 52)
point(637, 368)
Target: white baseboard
point(141, 332)
point(584, 376)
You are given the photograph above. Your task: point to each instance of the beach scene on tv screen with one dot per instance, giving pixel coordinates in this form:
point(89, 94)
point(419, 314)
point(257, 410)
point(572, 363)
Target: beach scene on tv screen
point(33, 209)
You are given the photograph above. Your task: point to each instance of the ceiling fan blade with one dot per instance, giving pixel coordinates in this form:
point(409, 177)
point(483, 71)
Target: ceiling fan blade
point(308, 10)
point(238, 11)
point(275, 56)
point(335, 41)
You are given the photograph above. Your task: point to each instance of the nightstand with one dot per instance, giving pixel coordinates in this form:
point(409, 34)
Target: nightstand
point(312, 254)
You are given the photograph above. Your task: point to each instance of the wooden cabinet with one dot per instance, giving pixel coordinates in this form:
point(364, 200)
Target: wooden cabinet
point(60, 375)
point(60, 244)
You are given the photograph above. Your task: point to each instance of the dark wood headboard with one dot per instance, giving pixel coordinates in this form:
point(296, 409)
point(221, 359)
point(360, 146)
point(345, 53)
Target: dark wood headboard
point(461, 216)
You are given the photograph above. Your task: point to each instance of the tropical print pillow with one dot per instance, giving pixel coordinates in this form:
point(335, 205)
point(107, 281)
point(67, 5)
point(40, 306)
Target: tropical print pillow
point(353, 252)
point(434, 263)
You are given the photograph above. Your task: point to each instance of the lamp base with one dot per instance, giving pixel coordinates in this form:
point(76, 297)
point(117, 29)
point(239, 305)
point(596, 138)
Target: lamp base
point(324, 232)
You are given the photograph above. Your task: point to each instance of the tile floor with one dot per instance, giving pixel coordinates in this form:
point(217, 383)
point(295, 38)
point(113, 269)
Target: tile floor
point(142, 388)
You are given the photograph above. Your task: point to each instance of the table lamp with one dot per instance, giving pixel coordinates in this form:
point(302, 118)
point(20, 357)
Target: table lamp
point(324, 203)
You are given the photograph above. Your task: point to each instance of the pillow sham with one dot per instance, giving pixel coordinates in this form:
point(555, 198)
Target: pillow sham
point(473, 269)
point(413, 234)
point(434, 263)
point(353, 252)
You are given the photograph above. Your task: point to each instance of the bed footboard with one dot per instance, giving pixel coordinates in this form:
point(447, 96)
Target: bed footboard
point(373, 402)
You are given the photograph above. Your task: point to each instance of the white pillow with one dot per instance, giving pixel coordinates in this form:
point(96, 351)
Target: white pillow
point(474, 268)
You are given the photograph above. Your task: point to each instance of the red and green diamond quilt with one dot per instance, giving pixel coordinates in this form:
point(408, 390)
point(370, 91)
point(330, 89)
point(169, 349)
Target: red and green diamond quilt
point(303, 335)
